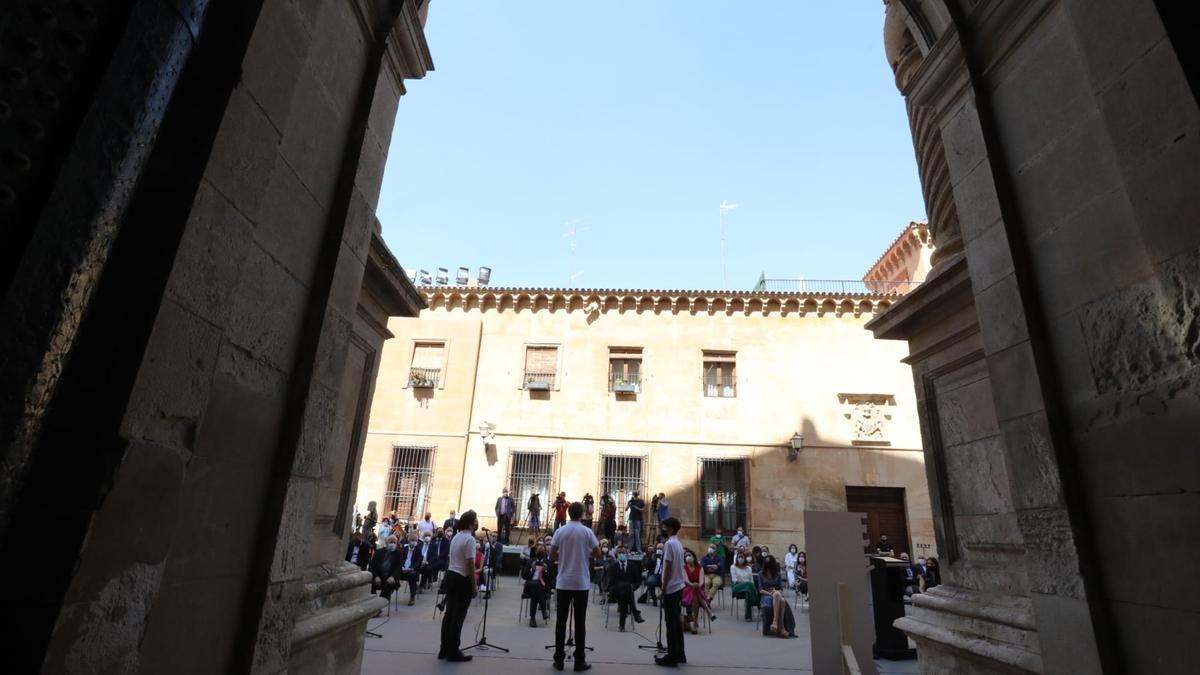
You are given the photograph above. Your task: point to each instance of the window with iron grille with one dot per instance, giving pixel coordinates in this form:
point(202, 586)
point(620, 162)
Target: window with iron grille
point(409, 480)
point(720, 374)
point(620, 475)
point(532, 471)
point(625, 369)
point(724, 495)
point(541, 366)
point(426, 368)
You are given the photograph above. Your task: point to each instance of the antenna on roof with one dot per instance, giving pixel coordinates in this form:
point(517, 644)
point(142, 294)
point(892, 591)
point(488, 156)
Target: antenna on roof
point(725, 208)
point(573, 235)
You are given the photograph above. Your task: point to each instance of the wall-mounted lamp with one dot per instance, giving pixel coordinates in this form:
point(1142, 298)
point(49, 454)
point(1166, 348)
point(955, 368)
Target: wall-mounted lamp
point(797, 443)
point(487, 432)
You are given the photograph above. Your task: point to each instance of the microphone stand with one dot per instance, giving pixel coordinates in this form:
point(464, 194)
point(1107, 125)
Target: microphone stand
point(483, 643)
point(570, 641)
point(658, 646)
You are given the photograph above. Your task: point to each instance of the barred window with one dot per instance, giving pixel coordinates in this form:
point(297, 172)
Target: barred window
point(723, 494)
point(409, 481)
point(532, 471)
point(625, 369)
point(620, 475)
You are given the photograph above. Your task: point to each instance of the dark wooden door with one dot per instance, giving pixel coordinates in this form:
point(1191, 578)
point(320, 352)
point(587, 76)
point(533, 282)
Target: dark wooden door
point(885, 511)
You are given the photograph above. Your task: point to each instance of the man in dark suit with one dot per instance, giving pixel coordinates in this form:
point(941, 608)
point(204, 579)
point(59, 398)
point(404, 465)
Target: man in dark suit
point(624, 575)
point(505, 509)
point(410, 566)
point(385, 566)
point(440, 547)
point(358, 552)
point(428, 560)
point(449, 525)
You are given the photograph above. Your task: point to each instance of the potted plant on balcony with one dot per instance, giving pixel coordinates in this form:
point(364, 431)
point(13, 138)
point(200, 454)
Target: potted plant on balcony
point(533, 383)
point(622, 387)
point(418, 380)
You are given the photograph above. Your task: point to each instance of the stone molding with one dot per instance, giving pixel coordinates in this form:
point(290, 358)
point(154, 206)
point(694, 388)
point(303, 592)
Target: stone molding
point(996, 632)
point(408, 56)
point(915, 236)
point(602, 301)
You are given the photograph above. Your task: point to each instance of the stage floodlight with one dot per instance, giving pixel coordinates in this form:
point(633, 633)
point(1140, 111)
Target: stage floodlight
point(485, 276)
point(464, 275)
point(443, 276)
point(425, 278)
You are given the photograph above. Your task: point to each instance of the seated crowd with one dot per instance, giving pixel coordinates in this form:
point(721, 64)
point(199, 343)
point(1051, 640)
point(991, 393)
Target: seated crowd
point(416, 554)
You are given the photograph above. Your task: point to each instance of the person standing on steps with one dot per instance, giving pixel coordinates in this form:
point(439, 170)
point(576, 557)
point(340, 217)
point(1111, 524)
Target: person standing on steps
point(572, 546)
point(505, 507)
point(672, 585)
point(460, 587)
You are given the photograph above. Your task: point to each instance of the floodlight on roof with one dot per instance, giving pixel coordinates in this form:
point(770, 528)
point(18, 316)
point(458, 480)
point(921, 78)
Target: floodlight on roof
point(485, 276)
point(443, 276)
point(463, 276)
point(425, 278)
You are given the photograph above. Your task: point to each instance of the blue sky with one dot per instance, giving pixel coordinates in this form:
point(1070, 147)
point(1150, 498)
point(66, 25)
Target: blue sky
point(635, 121)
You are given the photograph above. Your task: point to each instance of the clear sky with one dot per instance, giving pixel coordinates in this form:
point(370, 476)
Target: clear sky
point(635, 120)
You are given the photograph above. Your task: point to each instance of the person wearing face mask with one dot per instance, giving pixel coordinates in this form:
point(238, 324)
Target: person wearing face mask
point(624, 575)
point(802, 574)
point(385, 566)
point(742, 577)
point(673, 586)
point(428, 561)
point(460, 587)
point(653, 576)
point(536, 573)
point(714, 573)
point(789, 564)
point(410, 568)
point(741, 538)
point(770, 590)
point(694, 600)
point(449, 523)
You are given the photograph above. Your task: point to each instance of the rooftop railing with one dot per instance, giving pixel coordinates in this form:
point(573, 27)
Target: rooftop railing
point(834, 286)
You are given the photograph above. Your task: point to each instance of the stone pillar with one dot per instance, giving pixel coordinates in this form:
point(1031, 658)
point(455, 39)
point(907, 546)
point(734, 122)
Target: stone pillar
point(1014, 597)
point(336, 602)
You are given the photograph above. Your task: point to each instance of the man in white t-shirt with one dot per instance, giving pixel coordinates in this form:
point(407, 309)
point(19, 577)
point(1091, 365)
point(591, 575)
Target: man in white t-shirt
point(572, 547)
point(672, 585)
point(460, 587)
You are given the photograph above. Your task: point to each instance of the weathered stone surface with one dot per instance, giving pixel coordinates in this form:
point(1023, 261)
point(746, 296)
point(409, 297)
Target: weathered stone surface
point(1032, 464)
point(1146, 334)
point(268, 311)
point(1007, 323)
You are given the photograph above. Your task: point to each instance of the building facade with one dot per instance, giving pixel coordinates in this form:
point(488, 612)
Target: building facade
point(696, 395)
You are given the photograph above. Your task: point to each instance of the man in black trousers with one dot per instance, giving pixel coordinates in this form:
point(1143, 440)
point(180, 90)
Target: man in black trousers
point(460, 587)
point(572, 547)
point(672, 584)
point(624, 575)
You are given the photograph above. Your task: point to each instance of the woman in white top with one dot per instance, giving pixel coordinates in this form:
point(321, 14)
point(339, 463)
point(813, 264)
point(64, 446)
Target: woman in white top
point(789, 562)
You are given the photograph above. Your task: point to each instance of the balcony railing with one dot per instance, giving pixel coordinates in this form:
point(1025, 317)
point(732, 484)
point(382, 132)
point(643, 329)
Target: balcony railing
point(835, 287)
point(625, 385)
point(536, 381)
point(423, 378)
point(720, 387)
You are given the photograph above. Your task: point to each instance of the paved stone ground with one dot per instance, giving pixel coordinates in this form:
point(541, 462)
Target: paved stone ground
point(411, 635)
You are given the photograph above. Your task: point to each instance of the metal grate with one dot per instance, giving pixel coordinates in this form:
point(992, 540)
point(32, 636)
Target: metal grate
point(723, 494)
point(529, 471)
point(409, 480)
point(620, 475)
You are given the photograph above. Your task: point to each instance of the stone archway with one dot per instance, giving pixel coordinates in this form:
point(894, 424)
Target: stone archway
point(191, 294)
